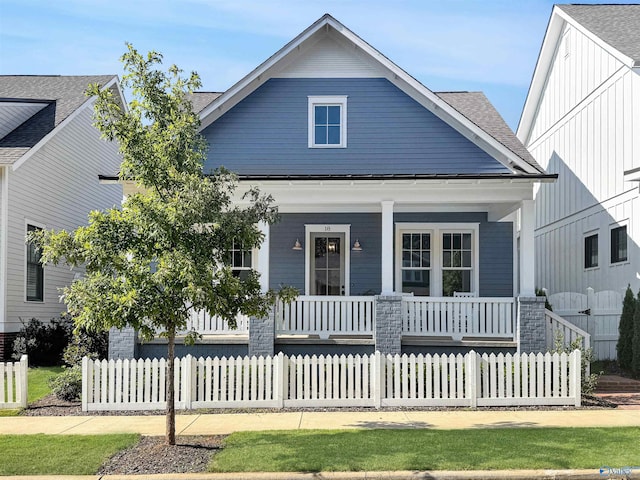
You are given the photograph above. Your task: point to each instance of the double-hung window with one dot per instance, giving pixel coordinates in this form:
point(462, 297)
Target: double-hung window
point(456, 263)
point(437, 259)
point(327, 122)
point(591, 251)
point(240, 260)
point(619, 244)
point(34, 271)
point(416, 263)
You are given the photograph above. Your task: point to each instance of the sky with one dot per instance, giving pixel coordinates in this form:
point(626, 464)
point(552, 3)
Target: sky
point(448, 45)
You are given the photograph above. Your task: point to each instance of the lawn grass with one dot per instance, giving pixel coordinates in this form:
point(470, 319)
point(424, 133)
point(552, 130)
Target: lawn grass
point(59, 454)
point(38, 379)
point(38, 386)
point(376, 450)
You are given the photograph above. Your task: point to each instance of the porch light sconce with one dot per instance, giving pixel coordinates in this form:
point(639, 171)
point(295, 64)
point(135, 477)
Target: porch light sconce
point(297, 245)
point(356, 246)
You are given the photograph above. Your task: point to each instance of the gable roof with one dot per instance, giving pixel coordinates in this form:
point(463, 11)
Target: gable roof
point(615, 27)
point(477, 108)
point(513, 158)
point(63, 95)
point(200, 100)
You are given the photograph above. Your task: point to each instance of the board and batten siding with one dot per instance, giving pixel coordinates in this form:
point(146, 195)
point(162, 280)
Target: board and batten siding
point(387, 132)
point(560, 249)
point(287, 266)
point(579, 67)
point(586, 131)
point(55, 188)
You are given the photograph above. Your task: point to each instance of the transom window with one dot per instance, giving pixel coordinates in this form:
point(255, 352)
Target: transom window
point(591, 251)
point(327, 122)
point(437, 259)
point(34, 271)
point(619, 244)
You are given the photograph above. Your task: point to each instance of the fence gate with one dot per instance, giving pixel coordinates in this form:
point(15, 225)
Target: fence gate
point(596, 312)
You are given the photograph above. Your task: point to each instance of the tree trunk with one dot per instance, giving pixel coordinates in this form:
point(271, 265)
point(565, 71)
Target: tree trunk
point(170, 435)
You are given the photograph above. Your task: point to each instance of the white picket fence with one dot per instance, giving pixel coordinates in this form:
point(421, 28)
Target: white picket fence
point(13, 383)
point(335, 381)
point(458, 317)
point(597, 313)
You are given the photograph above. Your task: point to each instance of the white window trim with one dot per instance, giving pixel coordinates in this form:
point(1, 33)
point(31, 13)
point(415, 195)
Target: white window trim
point(436, 230)
point(591, 233)
point(612, 226)
point(28, 222)
point(340, 100)
point(327, 228)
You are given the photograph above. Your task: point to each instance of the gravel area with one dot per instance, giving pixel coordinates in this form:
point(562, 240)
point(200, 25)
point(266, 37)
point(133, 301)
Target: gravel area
point(151, 456)
point(51, 406)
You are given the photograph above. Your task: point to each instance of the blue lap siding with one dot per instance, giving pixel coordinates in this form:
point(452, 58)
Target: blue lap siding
point(387, 132)
point(287, 266)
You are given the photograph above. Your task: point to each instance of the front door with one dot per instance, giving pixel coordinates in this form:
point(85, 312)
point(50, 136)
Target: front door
point(327, 264)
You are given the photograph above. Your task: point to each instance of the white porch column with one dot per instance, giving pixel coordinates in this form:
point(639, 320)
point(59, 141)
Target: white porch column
point(387, 247)
point(262, 266)
point(527, 255)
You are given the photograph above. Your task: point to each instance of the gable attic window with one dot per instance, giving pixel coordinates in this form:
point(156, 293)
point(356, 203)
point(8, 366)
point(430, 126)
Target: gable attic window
point(34, 271)
point(327, 121)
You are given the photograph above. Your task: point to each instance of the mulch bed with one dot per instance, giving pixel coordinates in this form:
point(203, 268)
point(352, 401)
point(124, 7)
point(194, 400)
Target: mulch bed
point(151, 455)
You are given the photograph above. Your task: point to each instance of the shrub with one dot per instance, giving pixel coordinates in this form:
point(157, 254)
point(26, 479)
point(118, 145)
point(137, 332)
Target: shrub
point(68, 385)
point(86, 343)
point(44, 343)
point(589, 380)
point(625, 330)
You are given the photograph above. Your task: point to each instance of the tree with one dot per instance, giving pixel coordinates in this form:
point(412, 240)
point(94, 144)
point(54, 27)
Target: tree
point(164, 252)
point(625, 330)
point(635, 364)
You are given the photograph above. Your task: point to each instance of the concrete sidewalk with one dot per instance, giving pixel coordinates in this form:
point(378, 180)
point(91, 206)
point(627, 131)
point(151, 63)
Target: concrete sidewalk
point(229, 423)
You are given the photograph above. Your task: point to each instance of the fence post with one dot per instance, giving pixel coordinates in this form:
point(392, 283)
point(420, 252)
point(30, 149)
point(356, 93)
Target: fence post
point(377, 373)
point(85, 383)
point(24, 371)
point(186, 383)
point(279, 387)
point(577, 376)
point(471, 379)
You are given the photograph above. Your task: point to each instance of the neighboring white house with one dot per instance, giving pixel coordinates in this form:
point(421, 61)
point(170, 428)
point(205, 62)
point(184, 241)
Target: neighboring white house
point(581, 120)
point(50, 159)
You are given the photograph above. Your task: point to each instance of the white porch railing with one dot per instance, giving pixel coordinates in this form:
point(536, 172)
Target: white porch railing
point(458, 317)
point(205, 324)
point(325, 316)
point(13, 383)
point(557, 325)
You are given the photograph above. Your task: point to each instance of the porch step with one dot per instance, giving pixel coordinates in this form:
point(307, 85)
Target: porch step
point(617, 384)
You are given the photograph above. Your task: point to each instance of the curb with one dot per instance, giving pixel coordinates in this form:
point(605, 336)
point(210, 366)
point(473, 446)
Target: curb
point(400, 475)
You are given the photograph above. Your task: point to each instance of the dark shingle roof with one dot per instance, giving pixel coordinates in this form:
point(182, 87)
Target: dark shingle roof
point(617, 25)
point(477, 108)
point(65, 94)
point(200, 100)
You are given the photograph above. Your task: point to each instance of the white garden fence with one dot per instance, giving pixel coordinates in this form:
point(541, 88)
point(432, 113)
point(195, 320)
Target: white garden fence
point(597, 313)
point(335, 381)
point(13, 383)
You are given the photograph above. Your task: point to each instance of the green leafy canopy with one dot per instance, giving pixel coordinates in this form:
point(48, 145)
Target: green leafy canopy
point(164, 252)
